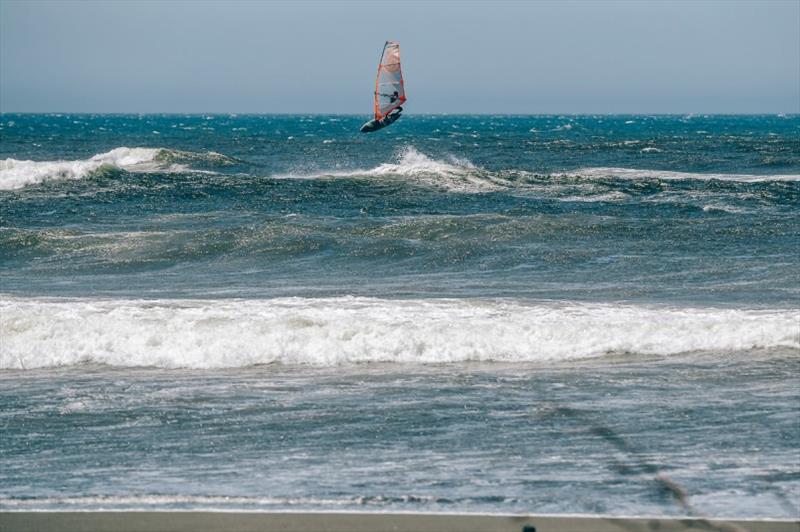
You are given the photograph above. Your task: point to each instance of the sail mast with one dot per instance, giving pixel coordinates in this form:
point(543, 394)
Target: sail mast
point(377, 82)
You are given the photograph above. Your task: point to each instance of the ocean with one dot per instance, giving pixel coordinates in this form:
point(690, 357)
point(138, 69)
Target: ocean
point(538, 314)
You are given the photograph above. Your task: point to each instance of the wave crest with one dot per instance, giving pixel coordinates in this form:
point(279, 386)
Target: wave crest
point(40, 333)
point(667, 175)
point(16, 174)
point(454, 174)
point(461, 175)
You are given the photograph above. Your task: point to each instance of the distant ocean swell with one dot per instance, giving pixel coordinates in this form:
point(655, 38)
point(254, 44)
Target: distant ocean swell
point(44, 332)
point(449, 173)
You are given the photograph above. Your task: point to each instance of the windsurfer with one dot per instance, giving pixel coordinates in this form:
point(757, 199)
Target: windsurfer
point(388, 105)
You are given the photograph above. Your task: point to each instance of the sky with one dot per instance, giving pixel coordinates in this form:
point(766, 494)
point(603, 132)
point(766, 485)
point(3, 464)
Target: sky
point(724, 56)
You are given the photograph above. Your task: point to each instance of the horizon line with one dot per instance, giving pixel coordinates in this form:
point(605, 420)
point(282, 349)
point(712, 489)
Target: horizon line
point(248, 113)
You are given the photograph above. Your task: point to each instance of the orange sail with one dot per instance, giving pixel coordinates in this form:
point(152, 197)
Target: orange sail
point(390, 92)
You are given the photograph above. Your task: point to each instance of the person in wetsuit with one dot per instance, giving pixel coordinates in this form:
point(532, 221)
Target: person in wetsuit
point(374, 125)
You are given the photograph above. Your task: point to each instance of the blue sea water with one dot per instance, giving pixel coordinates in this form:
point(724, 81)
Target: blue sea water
point(559, 314)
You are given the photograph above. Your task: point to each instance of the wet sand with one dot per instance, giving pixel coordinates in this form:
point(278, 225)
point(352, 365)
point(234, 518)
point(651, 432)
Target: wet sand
point(193, 521)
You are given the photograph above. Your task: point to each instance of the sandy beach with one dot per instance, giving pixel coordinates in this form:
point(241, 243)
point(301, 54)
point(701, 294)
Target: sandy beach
point(364, 522)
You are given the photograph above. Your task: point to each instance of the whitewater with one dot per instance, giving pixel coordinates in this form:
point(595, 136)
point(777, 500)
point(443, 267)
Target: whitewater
point(451, 173)
point(16, 174)
point(326, 332)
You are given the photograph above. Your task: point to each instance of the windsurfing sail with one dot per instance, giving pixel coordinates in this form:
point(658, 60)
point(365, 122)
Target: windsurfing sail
point(390, 92)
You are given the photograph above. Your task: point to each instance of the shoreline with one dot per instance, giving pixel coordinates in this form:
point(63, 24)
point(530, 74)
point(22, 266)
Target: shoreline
point(287, 521)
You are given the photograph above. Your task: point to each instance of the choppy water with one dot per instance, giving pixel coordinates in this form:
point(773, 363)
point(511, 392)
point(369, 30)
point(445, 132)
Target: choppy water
point(472, 313)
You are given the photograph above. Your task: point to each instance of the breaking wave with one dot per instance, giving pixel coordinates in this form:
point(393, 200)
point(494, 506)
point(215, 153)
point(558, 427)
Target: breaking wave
point(207, 502)
point(453, 174)
point(15, 174)
point(450, 173)
point(41, 333)
point(461, 175)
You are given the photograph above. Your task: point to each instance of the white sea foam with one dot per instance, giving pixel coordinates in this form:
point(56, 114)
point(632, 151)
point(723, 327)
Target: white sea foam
point(721, 207)
point(40, 333)
point(461, 175)
point(634, 173)
point(204, 501)
point(411, 162)
point(609, 197)
point(15, 174)
point(454, 173)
